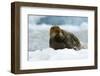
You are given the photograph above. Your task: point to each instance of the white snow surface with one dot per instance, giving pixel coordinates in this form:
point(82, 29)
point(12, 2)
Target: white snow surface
point(61, 54)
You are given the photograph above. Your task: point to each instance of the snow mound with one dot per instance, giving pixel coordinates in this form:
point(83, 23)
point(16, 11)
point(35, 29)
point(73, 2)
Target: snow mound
point(61, 54)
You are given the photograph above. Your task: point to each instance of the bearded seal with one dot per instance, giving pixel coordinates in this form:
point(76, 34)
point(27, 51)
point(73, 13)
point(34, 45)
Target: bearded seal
point(60, 39)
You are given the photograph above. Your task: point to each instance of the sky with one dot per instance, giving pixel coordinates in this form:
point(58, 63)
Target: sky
point(57, 20)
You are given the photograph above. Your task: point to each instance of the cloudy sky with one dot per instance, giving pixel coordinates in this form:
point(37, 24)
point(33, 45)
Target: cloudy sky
point(57, 20)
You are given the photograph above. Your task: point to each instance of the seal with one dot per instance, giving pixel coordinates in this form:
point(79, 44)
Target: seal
point(60, 39)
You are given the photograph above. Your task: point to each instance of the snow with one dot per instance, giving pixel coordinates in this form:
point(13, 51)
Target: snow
point(61, 54)
point(39, 49)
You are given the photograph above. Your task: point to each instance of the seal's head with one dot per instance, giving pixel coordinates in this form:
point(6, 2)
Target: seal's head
point(56, 33)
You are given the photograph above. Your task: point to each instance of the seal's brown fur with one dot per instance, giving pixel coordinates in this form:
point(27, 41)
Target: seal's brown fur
point(60, 39)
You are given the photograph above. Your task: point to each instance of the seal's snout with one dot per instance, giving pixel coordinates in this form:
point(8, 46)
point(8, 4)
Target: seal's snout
point(55, 31)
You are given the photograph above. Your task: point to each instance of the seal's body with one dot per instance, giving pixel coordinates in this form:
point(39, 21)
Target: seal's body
point(60, 39)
